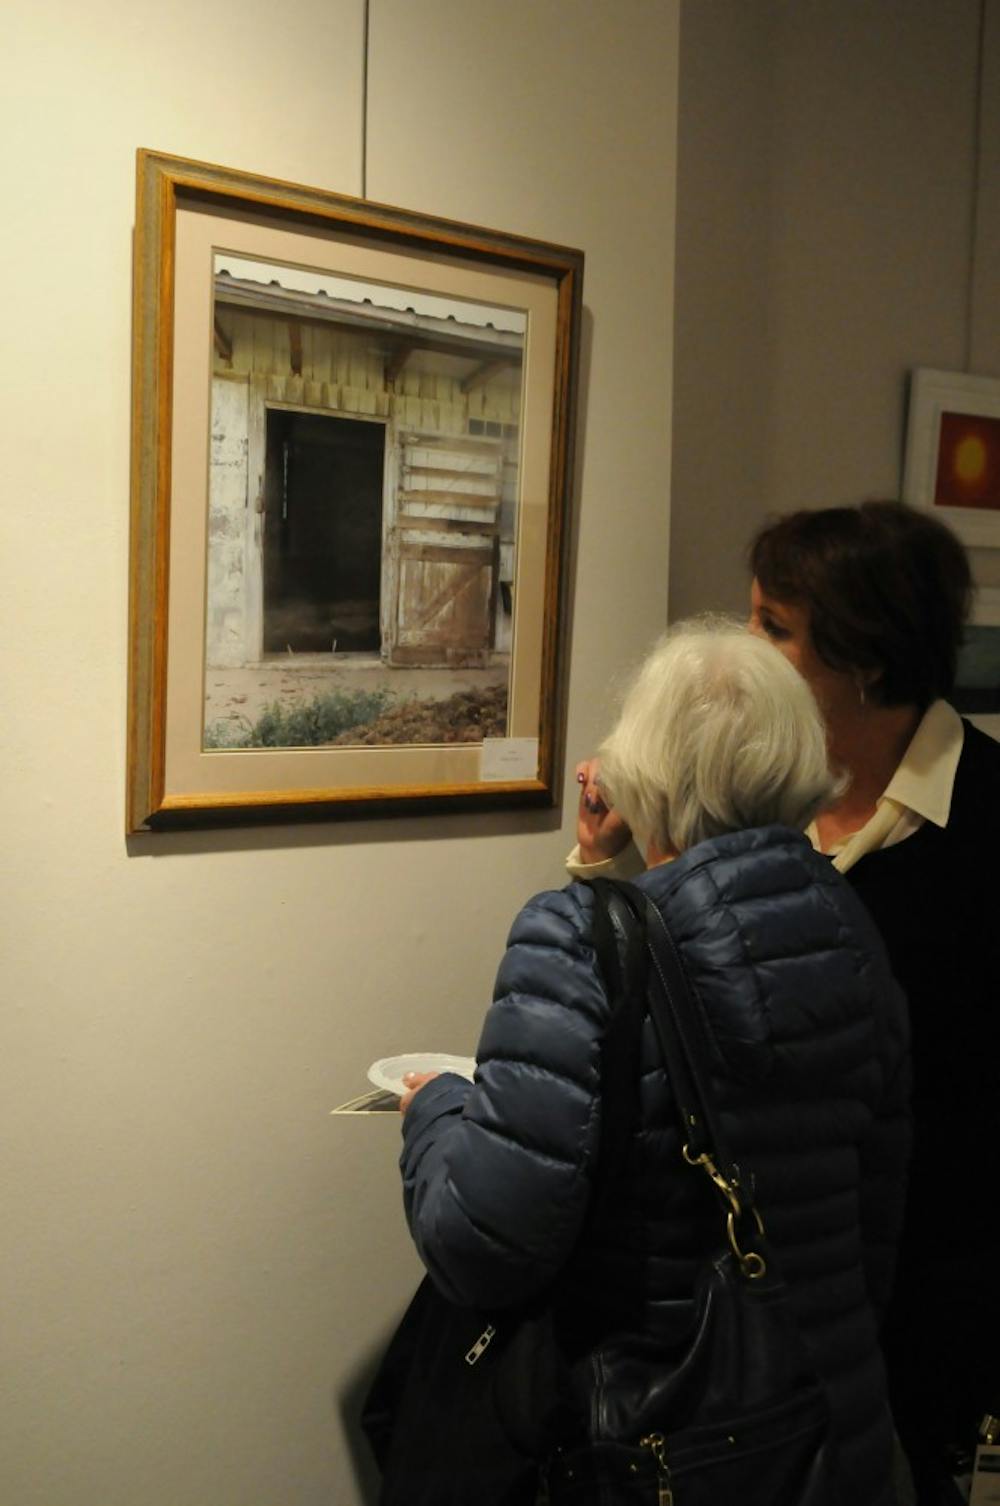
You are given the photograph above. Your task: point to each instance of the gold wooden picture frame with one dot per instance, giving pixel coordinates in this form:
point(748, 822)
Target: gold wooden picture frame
point(351, 446)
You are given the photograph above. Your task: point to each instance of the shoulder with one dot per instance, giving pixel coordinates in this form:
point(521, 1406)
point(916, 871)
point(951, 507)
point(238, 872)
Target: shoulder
point(770, 863)
point(554, 924)
point(557, 917)
point(774, 941)
point(979, 764)
point(550, 956)
point(549, 1009)
point(974, 817)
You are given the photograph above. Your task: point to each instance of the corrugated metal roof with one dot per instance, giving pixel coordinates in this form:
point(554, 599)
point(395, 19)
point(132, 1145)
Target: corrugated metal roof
point(323, 289)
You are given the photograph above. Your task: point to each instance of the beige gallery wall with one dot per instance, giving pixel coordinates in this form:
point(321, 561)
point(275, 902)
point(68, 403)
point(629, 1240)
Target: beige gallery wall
point(196, 1263)
point(837, 225)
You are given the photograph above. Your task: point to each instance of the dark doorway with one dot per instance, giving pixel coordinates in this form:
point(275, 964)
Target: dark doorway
point(322, 533)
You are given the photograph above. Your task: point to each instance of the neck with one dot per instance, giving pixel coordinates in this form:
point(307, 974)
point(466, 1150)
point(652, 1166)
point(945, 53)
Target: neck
point(868, 744)
point(656, 855)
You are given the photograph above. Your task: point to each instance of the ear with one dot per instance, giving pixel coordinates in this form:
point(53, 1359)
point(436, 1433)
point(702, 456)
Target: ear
point(865, 681)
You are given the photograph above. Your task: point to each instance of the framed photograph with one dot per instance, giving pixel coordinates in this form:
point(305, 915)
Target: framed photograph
point(952, 462)
point(977, 687)
point(351, 448)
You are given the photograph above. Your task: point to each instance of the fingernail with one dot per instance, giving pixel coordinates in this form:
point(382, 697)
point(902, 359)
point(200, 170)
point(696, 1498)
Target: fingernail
point(581, 779)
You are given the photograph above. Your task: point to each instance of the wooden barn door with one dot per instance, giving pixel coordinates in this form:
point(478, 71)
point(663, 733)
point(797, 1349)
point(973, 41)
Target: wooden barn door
point(445, 550)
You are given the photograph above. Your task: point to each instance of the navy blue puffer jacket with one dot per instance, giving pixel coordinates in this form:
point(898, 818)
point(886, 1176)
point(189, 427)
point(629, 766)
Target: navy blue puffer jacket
point(812, 1077)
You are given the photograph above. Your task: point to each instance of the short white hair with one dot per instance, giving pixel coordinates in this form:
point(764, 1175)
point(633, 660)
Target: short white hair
point(717, 733)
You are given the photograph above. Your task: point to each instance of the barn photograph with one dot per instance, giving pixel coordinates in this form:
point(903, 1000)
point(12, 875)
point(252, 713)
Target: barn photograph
point(362, 511)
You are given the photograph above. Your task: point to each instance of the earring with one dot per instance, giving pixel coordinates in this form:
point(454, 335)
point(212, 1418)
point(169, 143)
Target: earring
point(861, 691)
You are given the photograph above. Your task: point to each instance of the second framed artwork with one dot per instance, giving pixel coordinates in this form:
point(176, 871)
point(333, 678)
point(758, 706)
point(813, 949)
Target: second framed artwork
point(977, 682)
point(352, 435)
point(952, 462)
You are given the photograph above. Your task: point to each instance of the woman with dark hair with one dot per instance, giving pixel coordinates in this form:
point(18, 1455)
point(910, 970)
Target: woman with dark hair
point(869, 604)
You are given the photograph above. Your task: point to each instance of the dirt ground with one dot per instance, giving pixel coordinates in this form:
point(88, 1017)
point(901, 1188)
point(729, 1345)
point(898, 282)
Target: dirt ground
point(244, 693)
point(465, 717)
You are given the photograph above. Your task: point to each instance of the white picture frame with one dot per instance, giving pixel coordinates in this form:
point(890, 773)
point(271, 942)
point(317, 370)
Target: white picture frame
point(961, 412)
point(977, 687)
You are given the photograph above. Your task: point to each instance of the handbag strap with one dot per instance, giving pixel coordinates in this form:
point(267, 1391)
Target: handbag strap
point(686, 1045)
point(620, 947)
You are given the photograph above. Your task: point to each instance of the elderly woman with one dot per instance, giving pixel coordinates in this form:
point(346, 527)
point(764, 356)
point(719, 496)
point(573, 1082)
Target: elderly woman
point(718, 761)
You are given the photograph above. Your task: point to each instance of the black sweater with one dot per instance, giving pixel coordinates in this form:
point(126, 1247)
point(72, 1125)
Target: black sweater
point(934, 900)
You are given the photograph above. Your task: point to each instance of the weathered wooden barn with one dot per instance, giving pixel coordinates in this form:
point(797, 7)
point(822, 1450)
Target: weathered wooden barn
point(363, 475)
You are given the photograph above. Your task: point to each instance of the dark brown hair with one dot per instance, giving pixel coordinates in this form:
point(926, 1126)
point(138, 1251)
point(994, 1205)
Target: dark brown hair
point(887, 589)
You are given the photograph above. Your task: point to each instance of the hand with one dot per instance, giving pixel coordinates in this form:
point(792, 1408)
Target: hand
point(413, 1082)
point(600, 833)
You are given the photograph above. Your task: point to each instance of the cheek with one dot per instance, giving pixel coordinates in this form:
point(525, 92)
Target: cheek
point(792, 651)
point(822, 681)
point(833, 691)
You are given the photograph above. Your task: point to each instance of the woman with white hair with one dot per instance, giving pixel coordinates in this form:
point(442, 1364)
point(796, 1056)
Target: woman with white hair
point(718, 762)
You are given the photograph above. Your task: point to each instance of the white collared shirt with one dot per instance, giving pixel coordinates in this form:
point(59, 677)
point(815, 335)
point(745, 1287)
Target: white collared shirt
point(919, 791)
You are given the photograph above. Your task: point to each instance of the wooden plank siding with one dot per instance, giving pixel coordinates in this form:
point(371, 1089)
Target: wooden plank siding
point(343, 371)
point(446, 571)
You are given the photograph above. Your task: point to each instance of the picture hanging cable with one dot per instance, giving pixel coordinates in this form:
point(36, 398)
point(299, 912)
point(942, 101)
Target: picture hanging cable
point(977, 155)
point(364, 100)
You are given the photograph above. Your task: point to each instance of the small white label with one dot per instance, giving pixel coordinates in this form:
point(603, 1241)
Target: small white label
point(509, 758)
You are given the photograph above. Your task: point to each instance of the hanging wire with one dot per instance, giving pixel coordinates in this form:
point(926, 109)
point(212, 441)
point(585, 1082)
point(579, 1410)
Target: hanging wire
point(977, 155)
point(364, 100)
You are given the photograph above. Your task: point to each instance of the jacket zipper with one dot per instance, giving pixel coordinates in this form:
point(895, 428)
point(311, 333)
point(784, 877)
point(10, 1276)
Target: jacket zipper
point(481, 1345)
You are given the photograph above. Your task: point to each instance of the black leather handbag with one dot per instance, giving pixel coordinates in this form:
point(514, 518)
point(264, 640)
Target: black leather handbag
point(723, 1408)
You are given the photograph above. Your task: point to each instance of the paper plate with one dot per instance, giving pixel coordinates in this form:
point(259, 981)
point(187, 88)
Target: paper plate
point(388, 1073)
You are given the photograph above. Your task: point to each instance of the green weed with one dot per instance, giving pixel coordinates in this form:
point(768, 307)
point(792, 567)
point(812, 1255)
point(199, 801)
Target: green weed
point(306, 725)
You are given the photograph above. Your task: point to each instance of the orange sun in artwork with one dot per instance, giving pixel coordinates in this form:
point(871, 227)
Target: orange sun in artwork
point(968, 469)
point(969, 463)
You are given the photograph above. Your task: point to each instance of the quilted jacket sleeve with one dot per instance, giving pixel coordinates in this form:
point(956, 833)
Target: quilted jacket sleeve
point(496, 1175)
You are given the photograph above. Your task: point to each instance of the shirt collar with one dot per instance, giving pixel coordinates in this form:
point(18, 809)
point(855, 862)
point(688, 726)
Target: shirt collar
point(925, 778)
